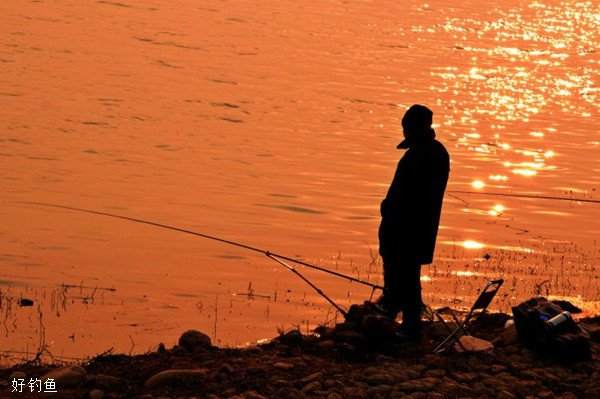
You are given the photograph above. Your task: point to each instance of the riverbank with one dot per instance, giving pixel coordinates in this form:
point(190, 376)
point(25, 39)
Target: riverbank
point(296, 366)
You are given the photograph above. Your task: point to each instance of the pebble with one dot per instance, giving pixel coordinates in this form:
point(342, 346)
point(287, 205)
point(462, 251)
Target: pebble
point(96, 394)
point(174, 377)
point(311, 378)
point(193, 340)
point(283, 365)
point(423, 384)
point(66, 377)
point(312, 387)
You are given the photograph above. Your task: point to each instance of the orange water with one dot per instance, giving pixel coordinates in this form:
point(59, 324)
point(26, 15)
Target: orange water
point(276, 125)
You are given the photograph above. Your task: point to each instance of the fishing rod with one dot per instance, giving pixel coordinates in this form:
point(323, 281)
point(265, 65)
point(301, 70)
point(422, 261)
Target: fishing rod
point(546, 197)
point(297, 273)
point(195, 233)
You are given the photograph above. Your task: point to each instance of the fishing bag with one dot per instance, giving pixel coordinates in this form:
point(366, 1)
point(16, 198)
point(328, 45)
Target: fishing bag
point(567, 341)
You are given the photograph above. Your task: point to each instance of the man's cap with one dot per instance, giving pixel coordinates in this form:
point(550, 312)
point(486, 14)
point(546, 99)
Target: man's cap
point(418, 120)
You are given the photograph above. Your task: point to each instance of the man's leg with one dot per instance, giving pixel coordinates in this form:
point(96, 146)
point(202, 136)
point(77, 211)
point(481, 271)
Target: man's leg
point(392, 287)
point(410, 299)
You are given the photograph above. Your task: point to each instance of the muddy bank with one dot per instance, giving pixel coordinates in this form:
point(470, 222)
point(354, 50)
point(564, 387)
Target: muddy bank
point(343, 365)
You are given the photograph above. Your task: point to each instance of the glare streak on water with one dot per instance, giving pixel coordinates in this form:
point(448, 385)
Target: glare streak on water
point(276, 126)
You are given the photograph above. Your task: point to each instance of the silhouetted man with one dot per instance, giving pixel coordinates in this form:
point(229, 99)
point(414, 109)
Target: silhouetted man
point(410, 216)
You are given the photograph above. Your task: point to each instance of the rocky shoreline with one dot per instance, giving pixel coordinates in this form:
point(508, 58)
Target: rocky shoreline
point(333, 363)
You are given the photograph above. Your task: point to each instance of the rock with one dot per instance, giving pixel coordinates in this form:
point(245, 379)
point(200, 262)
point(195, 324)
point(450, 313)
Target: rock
point(453, 390)
point(174, 377)
point(436, 373)
point(226, 368)
point(288, 393)
point(567, 395)
point(17, 375)
point(378, 379)
point(509, 335)
point(252, 395)
point(312, 387)
point(593, 330)
point(354, 393)
point(592, 393)
point(504, 394)
point(311, 378)
point(464, 376)
point(283, 366)
point(66, 377)
point(472, 344)
point(253, 349)
point(96, 394)
point(193, 340)
point(422, 384)
point(498, 368)
point(327, 344)
point(545, 394)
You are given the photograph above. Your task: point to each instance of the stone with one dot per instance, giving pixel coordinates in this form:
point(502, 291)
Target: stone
point(504, 394)
point(283, 366)
point(96, 394)
point(66, 377)
point(193, 340)
point(498, 368)
point(311, 378)
point(472, 344)
point(288, 393)
point(226, 368)
point(422, 385)
point(464, 376)
point(453, 390)
point(436, 373)
point(252, 395)
point(592, 393)
point(312, 387)
point(567, 395)
point(327, 344)
point(509, 335)
point(174, 377)
point(377, 379)
point(593, 330)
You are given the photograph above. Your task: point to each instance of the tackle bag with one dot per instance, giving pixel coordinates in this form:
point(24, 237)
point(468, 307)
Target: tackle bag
point(543, 326)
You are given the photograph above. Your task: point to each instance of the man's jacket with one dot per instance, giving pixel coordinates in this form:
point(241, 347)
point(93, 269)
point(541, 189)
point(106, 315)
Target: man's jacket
point(410, 213)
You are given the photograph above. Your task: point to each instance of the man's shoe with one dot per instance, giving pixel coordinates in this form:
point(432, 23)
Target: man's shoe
point(384, 310)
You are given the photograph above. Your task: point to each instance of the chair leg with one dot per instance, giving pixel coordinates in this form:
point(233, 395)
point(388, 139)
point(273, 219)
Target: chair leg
point(454, 337)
